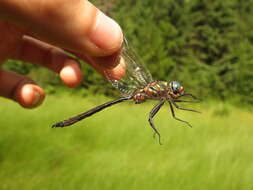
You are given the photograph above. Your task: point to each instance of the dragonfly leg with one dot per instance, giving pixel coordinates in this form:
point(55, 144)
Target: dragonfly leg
point(178, 107)
point(194, 97)
point(174, 116)
point(189, 101)
point(151, 115)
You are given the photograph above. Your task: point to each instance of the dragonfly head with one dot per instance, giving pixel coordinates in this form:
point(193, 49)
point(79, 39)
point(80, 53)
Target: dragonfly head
point(177, 89)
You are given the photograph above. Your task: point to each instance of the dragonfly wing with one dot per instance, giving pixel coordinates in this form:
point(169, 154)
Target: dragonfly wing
point(136, 76)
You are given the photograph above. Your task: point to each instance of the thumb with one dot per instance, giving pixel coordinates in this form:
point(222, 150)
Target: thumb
point(75, 25)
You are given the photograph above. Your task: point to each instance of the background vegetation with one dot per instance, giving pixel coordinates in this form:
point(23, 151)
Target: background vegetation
point(98, 153)
point(207, 45)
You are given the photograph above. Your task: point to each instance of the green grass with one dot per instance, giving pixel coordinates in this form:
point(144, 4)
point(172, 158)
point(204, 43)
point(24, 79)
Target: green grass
point(115, 149)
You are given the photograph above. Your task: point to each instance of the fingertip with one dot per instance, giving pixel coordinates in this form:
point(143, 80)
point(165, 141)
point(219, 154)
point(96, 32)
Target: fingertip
point(29, 95)
point(116, 73)
point(71, 74)
point(107, 34)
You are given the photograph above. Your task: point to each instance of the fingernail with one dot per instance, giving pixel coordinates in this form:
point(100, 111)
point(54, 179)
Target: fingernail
point(71, 74)
point(107, 33)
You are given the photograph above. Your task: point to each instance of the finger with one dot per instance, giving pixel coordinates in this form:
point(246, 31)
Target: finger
point(20, 89)
point(85, 28)
point(37, 52)
point(116, 73)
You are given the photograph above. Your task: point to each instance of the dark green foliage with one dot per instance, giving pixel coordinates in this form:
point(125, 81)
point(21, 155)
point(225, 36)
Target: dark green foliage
point(18, 66)
point(207, 45)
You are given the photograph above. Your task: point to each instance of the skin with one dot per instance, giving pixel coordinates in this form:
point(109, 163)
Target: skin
point(37, 31)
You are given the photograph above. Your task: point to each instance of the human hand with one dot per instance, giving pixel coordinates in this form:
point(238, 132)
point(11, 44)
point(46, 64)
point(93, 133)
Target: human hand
point(38, 31)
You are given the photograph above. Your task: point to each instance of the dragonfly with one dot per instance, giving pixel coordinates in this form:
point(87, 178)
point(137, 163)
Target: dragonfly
point(139, 86)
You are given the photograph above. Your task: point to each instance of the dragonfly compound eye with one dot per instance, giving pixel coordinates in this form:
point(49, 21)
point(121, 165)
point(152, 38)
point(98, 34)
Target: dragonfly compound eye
point(176, 87)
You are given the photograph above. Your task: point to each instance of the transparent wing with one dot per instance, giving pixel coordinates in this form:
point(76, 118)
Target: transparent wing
point(136, 76)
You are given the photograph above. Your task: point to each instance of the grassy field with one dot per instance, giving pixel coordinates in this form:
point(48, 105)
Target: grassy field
point(115, 149)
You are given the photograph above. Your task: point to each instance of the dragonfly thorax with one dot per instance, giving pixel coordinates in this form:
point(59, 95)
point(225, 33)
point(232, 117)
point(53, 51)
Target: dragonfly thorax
point(154, 90)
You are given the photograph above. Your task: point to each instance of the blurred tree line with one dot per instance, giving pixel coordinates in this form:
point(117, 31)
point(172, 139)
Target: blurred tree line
point(207, 45)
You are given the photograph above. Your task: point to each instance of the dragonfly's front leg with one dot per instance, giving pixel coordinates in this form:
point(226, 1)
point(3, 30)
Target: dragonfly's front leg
point(181, 108)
